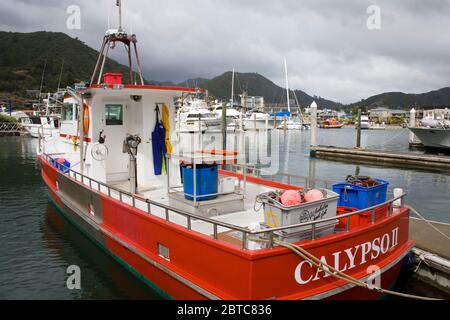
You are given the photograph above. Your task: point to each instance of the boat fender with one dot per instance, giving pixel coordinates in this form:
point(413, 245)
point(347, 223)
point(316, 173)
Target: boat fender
point(291, 198)
point(397, 193)
point(86, 121)
point(314, 195)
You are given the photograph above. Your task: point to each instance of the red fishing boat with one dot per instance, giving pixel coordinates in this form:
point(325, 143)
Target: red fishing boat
point(331, 124)
point(193, 222)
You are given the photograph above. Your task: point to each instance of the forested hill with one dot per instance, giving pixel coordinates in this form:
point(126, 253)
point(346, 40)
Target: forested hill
point(24, 55)
point(255, 85)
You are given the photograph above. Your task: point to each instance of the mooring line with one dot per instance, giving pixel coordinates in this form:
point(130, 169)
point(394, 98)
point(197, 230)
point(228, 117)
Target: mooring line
point(342, 276)
point(427, 221)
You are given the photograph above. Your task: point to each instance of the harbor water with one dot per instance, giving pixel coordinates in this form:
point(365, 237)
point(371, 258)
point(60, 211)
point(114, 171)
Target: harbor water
point(38, 245)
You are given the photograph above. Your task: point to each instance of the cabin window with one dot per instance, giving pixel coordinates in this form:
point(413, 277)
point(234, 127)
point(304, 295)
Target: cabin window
point(114, 114)
point(67, 112)
point(35, 120)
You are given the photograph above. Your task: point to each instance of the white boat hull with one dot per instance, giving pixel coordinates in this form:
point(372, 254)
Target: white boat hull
point(433, 137)
point(45, 131)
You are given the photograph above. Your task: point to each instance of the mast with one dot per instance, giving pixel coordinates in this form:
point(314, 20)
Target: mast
point(287, 86)
point(60, 75)
point(42, 80)
point(111, 37)
point(232, 89)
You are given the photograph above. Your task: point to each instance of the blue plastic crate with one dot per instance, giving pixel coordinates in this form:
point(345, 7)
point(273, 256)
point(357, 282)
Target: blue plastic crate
point(207, 182)
point(360, 197)
point(61, 164)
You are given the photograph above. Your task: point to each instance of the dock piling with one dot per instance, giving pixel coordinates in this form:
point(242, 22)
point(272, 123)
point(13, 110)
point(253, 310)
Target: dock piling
point(313, 110)
point(224, 126)
point(358, 133)
point(413, 140)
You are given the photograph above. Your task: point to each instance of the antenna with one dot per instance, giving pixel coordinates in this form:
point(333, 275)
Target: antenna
point(109, 22)
point(119, 4)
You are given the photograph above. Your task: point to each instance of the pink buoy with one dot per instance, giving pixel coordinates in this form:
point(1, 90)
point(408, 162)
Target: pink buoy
point(291, 198)
point(313, 195)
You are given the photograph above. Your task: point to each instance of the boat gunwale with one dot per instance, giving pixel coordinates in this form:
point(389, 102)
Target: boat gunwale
point(248, 253)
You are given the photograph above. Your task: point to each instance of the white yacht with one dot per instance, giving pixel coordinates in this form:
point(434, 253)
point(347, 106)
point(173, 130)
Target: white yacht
point(365, 122)
point(46, 126)
point(196, 117)
point(433, 133)
point(235, 119)
point(256, 119)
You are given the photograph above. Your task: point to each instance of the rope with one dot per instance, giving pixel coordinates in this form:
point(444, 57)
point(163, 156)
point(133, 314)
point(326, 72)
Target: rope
point(340, 275)
point(387, 141)
point(428, 222)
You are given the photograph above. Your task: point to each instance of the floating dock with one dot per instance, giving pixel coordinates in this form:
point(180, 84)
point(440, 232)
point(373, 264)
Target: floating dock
point(432, 253)
point(427, 161)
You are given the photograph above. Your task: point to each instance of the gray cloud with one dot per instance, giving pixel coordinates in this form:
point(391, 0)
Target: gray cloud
point(329, 49)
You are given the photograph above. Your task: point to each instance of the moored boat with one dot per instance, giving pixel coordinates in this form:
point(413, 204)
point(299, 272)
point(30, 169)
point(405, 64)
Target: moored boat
point(331, 124)
point(186, 221)
point(45, 126)
point(433, 133)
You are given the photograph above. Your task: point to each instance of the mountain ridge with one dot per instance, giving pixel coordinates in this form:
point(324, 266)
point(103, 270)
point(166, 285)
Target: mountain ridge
point(23, 56)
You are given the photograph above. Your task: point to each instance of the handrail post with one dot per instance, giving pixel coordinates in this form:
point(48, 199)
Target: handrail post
point(189, 227)
point(167, 215)
point(216, 236)
point(347, 224)
point(270, 239)
point(373, 216)
point(244, 240)
point(313, 231)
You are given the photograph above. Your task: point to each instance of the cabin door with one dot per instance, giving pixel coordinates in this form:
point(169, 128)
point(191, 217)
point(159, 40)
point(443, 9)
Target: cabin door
point(114, 120)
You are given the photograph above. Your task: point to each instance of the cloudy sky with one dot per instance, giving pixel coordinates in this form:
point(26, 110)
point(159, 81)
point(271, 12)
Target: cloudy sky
point(330, 50)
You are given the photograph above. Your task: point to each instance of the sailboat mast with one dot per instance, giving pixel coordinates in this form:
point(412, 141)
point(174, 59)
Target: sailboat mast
point(42, 80)
point(287, 86)
point(232, 89)
point(60, 75)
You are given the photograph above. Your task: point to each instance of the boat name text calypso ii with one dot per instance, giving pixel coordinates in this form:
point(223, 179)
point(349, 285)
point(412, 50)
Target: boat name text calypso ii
point(370, 250)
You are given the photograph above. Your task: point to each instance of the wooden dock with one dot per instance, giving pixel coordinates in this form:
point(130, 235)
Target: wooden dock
point(428, 239)
point(432, 253)
point(378, 157)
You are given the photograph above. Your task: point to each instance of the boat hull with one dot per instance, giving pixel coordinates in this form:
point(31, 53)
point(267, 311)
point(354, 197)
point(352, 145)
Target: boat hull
point(433, 137)
point(45, 131)
point(337, 126)
point(203, 268)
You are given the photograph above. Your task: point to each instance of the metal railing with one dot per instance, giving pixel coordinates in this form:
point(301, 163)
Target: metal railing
point(286, 178)
point(268, 235)
point(11, 128)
